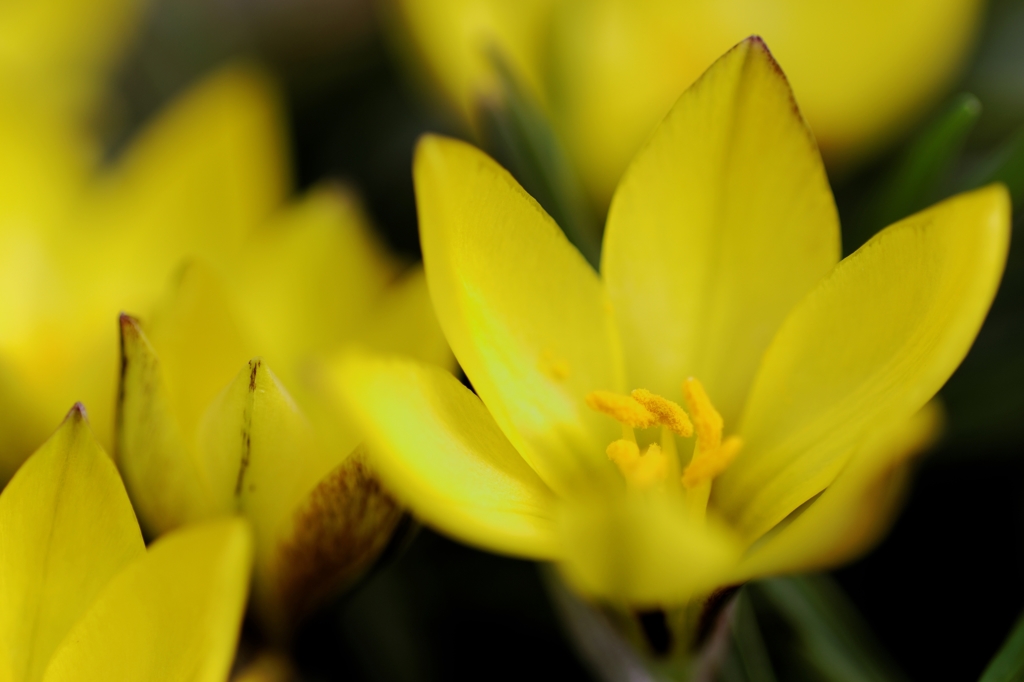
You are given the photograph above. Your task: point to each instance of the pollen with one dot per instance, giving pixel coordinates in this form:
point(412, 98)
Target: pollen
point(711, 456)
point(622, 408)
point(669, 414)
point(706, 419)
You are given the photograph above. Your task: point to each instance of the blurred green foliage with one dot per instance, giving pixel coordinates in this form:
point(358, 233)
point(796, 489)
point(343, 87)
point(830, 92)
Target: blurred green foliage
point(1008, 664)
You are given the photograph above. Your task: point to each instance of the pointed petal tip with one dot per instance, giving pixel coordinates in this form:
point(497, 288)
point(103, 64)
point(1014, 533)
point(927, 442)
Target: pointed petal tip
point(77, 413)
point(432, 143)
point(128, 322)
point(757, 44)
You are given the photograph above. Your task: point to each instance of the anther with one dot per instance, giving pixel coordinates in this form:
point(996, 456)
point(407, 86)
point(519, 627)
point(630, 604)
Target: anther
point(706, 419)
point(669, 413)
point(622, 408)
point(711, 456)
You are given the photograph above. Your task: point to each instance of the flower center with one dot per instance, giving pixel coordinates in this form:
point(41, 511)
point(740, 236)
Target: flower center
point(642, 409)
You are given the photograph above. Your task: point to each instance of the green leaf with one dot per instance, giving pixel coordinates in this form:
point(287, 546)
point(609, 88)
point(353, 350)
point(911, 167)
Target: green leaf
point(1008, 664)
point(747, 659)
point(519, 135)
point(1005, 165)
point(916, 179)
point(828, 636)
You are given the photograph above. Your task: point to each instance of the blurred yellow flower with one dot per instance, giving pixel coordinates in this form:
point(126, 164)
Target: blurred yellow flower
point(725, 401)
point(198, 201)
point(81, 597)
point(222, 408)
point(79, 242)
point(607, 71)
point(56, 54)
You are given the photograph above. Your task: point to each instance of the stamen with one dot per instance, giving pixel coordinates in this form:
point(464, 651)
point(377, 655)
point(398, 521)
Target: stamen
point(643, 409)
point(624, 453)
point(622, 408)
point(669, 413)
point(707, 421)
point(709, 465)
point(711, 456)
point(640, 471)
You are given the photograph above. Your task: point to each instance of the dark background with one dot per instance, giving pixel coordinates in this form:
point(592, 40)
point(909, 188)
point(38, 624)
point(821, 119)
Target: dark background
point(940, 593)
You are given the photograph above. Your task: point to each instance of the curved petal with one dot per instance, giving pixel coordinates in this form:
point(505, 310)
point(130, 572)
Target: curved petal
point(305, 279)
point(59, 51)
point(854, 512)
point(644, 550)
point(403, 321)
point(66, 529)
point(261, 453)
point(455, 39)
point(526, 316)
point(721, 224)
point(161, 471)
point(872, 343)
point(436, 446)
point(194, 330)
point(194, 183)
point(266, 462)
point(618, 65)
point(336, 533)
point(174, 614)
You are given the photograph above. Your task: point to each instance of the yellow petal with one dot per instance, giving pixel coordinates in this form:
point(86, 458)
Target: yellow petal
point(156, 457)
point(618, 66)
point(854, 512)
point(263, 459)
point(174, 614)
point(66, 528)
point(875, 340)
point(526, 316)
point(455, 41)
point(306, 278)
point(58, 51)
point(194, 183)
point(644, 550)
point(333, 537)
point(403, 321)
point(721, 224)
point(195, 331)
point(436, 446)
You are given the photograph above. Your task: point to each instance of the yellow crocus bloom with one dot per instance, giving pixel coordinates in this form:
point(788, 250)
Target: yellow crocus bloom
point(607, 71)
point(82, 598)
point(189, 231)
point(726, 400)
point(222, 408)
point(80, 242)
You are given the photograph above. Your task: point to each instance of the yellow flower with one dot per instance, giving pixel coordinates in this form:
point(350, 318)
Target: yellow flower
point(222, 407)
point(607, 71)
point(726, 400)
point(80, 242)
point(198, 201)
point(82, 598)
